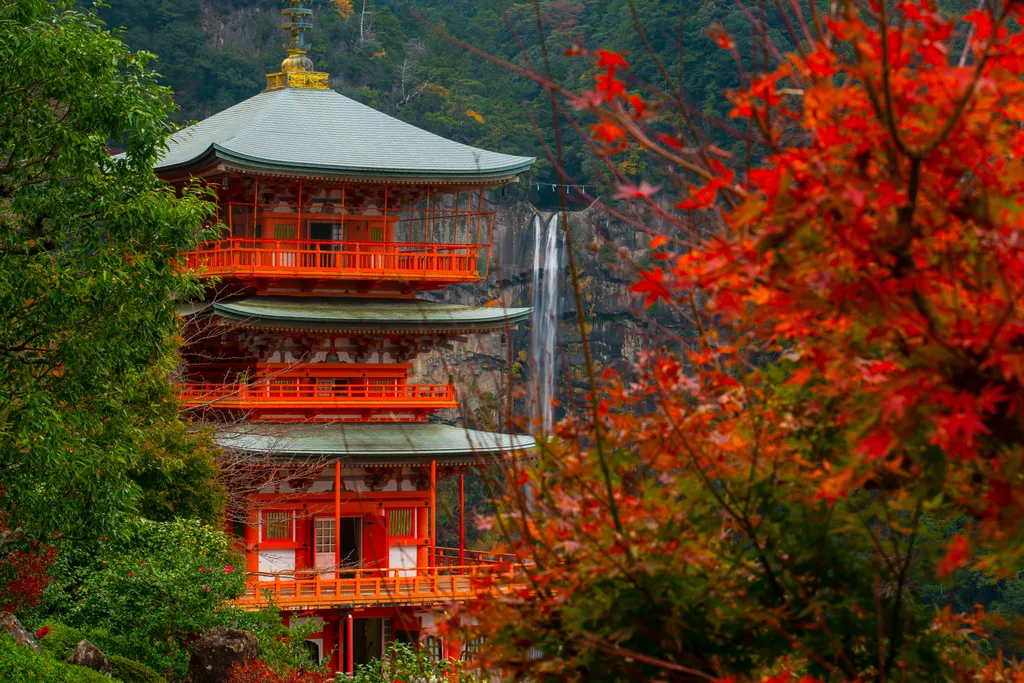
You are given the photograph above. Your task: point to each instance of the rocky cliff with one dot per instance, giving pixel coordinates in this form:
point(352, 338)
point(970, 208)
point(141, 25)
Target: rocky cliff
point(617, 325)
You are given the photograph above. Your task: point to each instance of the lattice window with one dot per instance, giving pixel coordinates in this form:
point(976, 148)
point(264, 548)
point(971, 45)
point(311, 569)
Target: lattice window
point(324, 536)
point(284, 231)
point(386, 633)
point(376, 234)
point(400, 523)
point(434, 647)
point(277, 525)
point(471, 649)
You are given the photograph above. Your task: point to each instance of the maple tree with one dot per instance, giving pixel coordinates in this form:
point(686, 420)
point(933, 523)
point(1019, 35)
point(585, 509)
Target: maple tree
point(752, 505)
point(24, 566)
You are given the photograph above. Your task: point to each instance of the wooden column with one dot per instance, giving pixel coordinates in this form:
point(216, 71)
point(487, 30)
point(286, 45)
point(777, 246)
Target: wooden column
point(421, 533)
point(349, 625)
point(433, 512)
point(337, 517)
point(462, 519)
point(252, 539)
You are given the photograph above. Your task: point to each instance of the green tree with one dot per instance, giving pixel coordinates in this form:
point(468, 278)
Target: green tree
point(159, 585)
point(87, 273)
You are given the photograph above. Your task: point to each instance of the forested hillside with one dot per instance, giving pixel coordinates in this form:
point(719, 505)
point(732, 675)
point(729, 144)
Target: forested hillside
point(214, 53)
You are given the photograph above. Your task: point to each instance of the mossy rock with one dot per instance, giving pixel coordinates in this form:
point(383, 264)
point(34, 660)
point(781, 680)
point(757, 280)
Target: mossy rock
point(60, 642)
point(130, 671)
point(24, 664)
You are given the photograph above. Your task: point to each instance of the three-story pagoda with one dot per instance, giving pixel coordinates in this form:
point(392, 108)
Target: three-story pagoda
point(336, 217)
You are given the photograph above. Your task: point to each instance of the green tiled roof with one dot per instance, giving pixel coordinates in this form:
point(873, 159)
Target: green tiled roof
point(374, 443)
point(341, 313)
point(313, 132)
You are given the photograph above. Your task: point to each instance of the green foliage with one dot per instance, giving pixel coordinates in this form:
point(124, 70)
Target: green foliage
point(157, 586)
point(403, 663)
point(281, 647)
point(177, 477)
point(87, 274)
point(25, 665)
point(131, 671)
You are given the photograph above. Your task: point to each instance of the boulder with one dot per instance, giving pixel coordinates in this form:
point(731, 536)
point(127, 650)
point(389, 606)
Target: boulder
point(216, 652)
point(88, 655)
point(10, 625)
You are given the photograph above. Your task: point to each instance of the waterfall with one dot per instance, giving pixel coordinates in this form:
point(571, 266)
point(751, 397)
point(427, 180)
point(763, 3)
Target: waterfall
point(543, 334)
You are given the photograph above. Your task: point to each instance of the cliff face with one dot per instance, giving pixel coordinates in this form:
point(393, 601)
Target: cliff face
point(617, 325)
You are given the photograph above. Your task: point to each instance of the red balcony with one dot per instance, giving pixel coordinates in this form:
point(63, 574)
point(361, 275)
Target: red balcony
point(268, 259)
point(305, 589)
point(300, 398)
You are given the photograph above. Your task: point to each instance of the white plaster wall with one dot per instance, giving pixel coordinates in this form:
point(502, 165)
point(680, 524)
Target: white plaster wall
point(402, 557)
point(277, 561)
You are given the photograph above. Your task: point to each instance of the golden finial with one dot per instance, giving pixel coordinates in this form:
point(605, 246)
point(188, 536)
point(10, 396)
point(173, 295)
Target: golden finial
point(297, 69)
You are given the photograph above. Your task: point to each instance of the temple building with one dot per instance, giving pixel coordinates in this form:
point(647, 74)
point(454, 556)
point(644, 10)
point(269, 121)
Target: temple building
point(336, 219)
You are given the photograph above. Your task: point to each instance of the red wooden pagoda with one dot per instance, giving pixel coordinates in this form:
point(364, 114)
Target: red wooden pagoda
point(336, 217)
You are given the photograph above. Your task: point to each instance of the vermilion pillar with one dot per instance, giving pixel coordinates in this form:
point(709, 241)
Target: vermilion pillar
point(252, 539)
point(433, 513)
point(348, 643)
point(421, 534)
point(462, 519)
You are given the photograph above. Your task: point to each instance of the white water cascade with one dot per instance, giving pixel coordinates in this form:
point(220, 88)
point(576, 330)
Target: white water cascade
point(543, 333)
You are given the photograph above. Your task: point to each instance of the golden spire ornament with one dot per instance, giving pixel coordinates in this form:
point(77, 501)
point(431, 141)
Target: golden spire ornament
point(297, 69)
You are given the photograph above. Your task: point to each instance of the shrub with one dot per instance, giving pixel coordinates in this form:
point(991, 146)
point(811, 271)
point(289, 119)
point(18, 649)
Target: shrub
point(20, 664)
point(258, 671)
point(156, 586)
point(404, 663)
point(62, 639)
point(24, 567)
point(130, 671)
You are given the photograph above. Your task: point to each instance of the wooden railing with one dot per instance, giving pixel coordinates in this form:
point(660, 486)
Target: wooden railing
point(370, 587)
point(449, 558)
point(267, 258)
point(267, 394)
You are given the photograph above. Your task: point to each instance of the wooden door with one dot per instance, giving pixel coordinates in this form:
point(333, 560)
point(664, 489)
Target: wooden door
point(279, 239)
point(324, 546)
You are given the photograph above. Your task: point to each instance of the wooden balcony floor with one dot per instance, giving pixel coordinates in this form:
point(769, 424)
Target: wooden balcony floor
point(404, 587)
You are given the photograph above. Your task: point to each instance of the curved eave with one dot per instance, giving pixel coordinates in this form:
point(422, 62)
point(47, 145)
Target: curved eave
point(362, 317)
point(376, 444)
point(269, 166)
point(421, 328)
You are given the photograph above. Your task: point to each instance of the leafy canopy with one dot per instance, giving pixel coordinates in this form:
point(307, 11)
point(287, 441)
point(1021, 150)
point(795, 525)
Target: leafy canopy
point(87, 274)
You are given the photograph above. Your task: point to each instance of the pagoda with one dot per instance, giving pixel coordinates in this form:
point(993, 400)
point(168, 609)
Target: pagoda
point(336, 218)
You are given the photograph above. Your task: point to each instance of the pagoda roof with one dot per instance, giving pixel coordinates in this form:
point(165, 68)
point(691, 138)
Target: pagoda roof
point(359, 314)
point(381, 443)
point(312, 132)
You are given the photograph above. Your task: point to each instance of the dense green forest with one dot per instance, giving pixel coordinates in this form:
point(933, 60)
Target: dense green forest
point(214, 53)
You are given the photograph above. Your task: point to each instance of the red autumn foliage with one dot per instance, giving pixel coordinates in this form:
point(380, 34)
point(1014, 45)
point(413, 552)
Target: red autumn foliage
point(24, 568)
point(258, 671)
point(764, 496)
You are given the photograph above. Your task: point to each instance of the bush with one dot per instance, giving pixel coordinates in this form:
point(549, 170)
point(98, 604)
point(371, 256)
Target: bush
point(405, 663)
point(24, 664)
point(130, 671)
point(258, 671)
point(62, 639)
point(156, 586)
